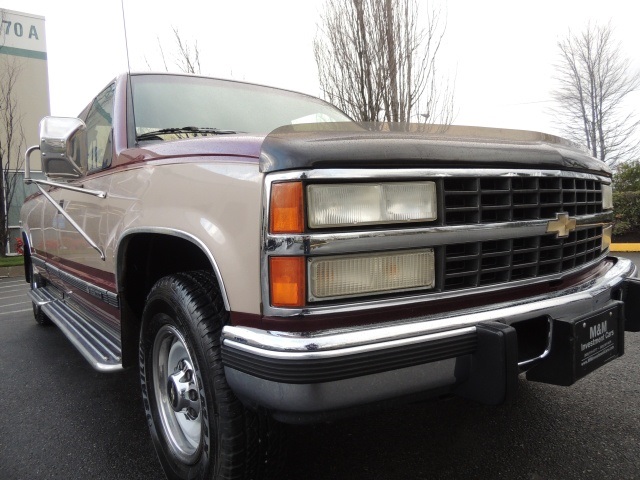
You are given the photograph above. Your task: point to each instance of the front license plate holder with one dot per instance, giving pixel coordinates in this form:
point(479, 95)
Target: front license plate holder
point(580, 346)
point(598, 341)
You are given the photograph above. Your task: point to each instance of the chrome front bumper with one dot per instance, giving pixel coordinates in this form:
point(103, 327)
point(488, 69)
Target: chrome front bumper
point(300, 374)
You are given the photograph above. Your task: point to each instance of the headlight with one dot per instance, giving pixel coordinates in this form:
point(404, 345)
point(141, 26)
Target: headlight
point(368, 274)
point(341, 205)
point(607, 197)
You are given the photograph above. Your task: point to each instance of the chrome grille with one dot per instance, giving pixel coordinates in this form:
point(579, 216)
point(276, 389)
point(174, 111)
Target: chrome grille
point(470, 200)
point(477, 264)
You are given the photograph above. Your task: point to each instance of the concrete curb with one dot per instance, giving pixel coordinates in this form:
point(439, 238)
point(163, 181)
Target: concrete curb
point(625, 247)
point(17, 271)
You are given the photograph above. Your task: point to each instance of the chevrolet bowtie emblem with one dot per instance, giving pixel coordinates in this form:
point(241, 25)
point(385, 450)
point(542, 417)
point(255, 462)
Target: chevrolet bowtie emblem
point(562, 226)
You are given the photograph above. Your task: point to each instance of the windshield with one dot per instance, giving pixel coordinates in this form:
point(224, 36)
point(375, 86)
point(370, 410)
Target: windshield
point(164, 102)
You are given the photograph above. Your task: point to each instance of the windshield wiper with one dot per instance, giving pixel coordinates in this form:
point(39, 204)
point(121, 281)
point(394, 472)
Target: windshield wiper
point(178, 130)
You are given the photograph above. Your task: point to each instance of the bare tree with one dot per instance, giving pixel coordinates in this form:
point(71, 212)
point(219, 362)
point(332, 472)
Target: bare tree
point(377, 63)
point(594, 81)
point(187, 58)
point(12, 142)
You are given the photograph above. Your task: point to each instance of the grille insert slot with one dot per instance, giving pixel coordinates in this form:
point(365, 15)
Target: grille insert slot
point(478, 264)
point(505, 199)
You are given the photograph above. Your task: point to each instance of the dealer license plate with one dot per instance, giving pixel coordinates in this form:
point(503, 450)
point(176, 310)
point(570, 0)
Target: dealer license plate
point(597, 341)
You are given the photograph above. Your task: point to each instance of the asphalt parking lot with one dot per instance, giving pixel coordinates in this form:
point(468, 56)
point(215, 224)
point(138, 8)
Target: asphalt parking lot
point(61, 420)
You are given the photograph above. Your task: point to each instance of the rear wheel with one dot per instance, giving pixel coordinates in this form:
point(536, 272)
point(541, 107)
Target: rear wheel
point(199, 428)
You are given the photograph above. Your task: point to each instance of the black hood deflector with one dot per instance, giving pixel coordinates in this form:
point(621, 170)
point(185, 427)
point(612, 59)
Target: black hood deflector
point(419, 146)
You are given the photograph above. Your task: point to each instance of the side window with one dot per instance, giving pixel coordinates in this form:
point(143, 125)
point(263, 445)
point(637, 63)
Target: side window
point(99, 131)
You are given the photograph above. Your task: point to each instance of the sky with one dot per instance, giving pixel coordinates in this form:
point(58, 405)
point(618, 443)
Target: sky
point(500, 53)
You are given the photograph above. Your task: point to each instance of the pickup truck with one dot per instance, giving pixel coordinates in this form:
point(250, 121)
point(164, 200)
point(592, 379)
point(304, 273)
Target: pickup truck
point(263, 259)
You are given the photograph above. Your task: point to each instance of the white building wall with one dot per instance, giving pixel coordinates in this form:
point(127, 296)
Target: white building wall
point(23, 49)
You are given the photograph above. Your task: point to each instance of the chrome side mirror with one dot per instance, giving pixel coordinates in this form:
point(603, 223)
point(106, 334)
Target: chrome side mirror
point(63, 147)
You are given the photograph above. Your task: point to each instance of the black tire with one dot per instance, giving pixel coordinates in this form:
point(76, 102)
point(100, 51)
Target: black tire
point(182, 322)
point(38, 314)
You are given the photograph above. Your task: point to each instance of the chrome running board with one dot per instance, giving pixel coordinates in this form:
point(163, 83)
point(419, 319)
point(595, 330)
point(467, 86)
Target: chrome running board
point(98, 343)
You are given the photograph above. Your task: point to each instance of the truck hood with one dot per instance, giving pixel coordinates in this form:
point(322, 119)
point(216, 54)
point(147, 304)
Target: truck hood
point(353, 145)
point(242, 147)
point(419, 146)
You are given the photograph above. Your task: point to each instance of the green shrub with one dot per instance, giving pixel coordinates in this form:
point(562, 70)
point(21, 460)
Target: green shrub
point(626, 209)
point(627, 177)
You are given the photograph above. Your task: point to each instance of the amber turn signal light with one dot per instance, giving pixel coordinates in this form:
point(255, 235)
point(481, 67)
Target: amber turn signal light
point(287, 281)
point(287, 214)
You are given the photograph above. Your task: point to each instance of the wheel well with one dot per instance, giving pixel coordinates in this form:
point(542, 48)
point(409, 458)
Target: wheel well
point(143, 260)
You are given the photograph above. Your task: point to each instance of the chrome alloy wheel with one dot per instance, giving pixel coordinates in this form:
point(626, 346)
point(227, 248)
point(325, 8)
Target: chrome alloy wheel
point(176, 387)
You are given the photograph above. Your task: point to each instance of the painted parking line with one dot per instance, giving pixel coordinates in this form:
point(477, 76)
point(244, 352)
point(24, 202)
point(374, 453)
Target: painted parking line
point(13, 290)
point(2, 314)
point(5, 285)
point(26, 302)
point(6, 291)
point(12, 296)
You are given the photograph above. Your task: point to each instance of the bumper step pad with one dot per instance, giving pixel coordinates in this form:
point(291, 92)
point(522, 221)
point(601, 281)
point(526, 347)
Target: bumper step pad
point(493, 378)
point(98, 343)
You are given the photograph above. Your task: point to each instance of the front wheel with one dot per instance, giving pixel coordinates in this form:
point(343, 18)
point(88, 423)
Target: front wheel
point(35, 282)
point(199, 428)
